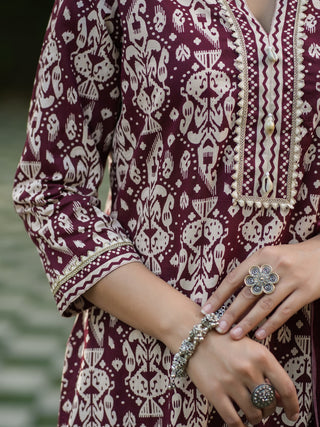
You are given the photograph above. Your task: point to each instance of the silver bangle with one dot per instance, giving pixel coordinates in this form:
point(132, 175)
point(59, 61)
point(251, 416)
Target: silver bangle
point(189, 345)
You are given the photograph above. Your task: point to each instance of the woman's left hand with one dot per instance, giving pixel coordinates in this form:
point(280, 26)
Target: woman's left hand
point(298, 266)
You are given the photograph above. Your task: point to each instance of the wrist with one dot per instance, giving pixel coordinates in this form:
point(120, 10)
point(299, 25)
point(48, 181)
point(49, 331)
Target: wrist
point(190, 344)
point(178, 322)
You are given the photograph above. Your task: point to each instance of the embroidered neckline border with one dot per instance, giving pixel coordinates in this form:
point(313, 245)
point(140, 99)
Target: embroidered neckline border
point(240, 130)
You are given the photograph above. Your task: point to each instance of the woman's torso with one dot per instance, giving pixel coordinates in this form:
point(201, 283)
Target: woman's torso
point(201, 179)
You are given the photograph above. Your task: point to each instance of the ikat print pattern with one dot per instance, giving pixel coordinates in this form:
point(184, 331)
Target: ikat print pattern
point(177, 92)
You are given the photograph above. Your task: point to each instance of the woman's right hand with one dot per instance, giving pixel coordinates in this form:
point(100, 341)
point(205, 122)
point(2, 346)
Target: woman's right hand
point(227, 371)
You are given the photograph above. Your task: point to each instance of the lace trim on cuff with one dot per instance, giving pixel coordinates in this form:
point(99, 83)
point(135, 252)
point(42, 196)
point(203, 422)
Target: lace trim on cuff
point(75, 265)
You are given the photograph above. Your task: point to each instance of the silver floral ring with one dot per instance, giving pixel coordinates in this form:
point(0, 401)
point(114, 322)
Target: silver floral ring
point(261, 279)
point(262, 396)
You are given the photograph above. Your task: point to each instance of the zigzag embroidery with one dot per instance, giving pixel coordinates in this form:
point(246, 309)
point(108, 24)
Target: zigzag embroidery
point(68, 296)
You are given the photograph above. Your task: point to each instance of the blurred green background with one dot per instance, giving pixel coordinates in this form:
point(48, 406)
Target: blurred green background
point(32, 333)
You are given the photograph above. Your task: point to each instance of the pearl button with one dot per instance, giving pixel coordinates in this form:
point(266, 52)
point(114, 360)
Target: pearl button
point(269, 125)
point(267, 185)
point(271, 54)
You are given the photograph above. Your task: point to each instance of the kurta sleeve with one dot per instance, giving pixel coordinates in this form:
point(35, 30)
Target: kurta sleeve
point(73, 114)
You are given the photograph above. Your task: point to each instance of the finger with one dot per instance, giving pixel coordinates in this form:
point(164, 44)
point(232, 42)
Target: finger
point(285, 389)
point(231, 283)
point(259, 307)
point(227, 411)
point(269, 410)
point(283, 312)
point(264, 412)
point(263, 307)
point(279, 403)
point(244, 301)
point(242, 396)
point(243, 399)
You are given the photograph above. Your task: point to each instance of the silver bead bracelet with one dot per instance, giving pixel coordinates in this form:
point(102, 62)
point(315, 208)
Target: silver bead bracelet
point(189, 345)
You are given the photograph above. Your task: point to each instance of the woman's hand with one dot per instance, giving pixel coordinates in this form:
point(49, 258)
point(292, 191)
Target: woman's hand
point(298, 268)
point(227, 371)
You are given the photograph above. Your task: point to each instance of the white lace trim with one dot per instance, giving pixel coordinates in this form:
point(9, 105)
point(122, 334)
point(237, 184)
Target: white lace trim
point(76, 264)
point(240, 130)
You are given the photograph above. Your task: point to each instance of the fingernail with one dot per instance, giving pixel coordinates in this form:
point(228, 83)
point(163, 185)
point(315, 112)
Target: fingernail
point(206, 309)
point(236, 332)
point(222, 327)
point(260, 334)
point(295, 417)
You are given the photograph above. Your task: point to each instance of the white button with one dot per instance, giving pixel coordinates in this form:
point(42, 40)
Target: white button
point(271, 53)
point(269, 125)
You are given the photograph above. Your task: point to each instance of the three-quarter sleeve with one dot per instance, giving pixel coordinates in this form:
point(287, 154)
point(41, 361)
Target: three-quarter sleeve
point(73, 114)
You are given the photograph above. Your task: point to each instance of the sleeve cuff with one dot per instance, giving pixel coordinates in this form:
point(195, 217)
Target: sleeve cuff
point(68, 290)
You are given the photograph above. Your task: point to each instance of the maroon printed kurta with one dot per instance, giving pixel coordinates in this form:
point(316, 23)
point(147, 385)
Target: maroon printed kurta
point(213, 127)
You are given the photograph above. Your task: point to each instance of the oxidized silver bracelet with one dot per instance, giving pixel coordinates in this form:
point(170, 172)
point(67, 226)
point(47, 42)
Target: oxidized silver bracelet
point(189, 345)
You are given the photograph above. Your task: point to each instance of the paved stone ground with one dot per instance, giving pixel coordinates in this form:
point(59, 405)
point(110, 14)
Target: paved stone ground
point(32, 333)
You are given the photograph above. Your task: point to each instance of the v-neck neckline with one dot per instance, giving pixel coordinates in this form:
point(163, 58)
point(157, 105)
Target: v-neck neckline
point(266, 61)
point(266, 31)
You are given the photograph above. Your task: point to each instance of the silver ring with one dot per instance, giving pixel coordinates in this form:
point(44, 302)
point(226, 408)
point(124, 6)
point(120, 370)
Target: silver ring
point(262, 396)
point(261, 279)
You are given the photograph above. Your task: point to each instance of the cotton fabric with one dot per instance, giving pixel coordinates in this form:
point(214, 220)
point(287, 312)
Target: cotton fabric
point(178, 92)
